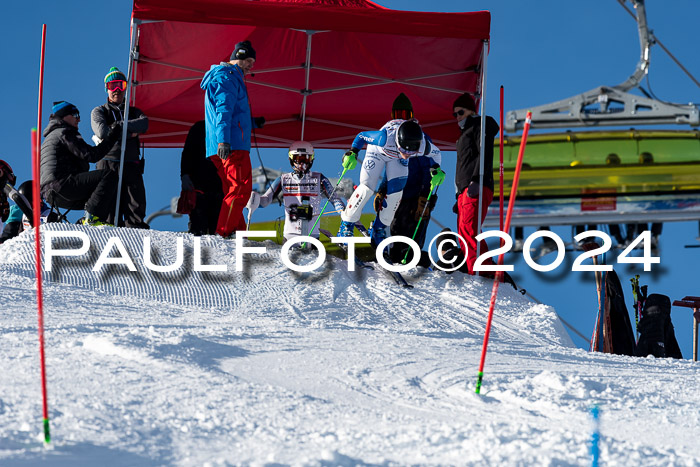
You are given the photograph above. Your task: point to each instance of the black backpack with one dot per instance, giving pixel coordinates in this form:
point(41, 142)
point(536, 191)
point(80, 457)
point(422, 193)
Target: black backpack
point(656, 336)
point(622, 336)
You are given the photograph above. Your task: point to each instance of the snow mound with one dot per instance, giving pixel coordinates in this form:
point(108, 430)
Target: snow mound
point(331, 296)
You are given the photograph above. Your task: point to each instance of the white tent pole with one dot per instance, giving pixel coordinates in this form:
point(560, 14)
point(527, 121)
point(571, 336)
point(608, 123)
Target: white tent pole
point(307, 67)
point(132, 57)
point(482, 108)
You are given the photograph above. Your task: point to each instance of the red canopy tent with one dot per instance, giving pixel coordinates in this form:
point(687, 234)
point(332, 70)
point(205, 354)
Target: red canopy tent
point(325, 70)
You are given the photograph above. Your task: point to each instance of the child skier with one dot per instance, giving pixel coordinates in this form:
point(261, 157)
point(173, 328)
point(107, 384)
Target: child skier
point(301, 190)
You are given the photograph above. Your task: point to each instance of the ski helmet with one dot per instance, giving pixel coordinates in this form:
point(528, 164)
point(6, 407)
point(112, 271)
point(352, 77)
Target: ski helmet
point(25, 190)
point(6, 174)
point(301, 156)
point(408, 137)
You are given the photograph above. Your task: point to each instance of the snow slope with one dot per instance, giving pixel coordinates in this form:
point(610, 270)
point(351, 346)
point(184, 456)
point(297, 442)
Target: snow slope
point(273, 367)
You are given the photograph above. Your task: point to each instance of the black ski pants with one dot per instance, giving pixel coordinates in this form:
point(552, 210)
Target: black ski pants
point(132, 207)
point(96, 190)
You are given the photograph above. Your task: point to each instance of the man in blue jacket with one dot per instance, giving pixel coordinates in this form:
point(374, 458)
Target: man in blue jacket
point(228, 125)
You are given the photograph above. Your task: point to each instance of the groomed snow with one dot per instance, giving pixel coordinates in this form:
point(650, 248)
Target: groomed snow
point(272, 367)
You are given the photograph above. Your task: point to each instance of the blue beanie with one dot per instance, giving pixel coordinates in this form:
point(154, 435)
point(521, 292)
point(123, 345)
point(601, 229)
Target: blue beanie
point(62, 108)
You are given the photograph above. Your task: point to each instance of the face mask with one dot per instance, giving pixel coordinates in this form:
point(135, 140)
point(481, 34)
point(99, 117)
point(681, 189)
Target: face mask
point(461, 123)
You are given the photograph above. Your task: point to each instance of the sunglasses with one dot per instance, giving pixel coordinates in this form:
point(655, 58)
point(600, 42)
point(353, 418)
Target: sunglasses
point(459, 113)
point(117, 85)
point(76, 115)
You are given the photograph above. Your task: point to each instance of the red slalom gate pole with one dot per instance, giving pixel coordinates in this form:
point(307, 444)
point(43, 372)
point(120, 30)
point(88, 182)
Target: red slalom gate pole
point(499, 274)
point(36, 208)
point(500, 171)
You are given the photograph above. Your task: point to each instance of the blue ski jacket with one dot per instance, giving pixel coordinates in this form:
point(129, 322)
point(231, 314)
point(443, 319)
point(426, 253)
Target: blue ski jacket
point(226, 109)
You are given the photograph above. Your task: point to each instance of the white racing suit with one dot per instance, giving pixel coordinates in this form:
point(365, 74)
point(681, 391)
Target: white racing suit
point(302, 201)
point(382, 153)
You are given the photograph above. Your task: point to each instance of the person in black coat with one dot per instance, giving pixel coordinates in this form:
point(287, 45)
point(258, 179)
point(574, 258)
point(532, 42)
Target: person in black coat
point(132, 207)
point(198, 173)
point(66, 179)
point(467, 174)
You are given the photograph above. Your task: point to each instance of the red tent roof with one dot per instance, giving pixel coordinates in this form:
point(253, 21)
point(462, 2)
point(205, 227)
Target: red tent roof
point(360, 57)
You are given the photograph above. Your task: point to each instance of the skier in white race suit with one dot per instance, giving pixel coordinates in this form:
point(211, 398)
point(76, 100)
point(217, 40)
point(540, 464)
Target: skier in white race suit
point(301, 191)
point(389, 148)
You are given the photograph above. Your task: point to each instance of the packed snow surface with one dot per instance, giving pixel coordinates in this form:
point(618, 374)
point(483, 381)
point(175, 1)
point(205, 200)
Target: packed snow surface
point(272, 367)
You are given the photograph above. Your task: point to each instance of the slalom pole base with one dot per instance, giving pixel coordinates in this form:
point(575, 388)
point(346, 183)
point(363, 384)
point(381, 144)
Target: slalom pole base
point(479, 378)
point(47, 433)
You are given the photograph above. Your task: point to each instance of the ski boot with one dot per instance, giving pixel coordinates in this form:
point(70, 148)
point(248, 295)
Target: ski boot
point(92, 220)
point(346, 229)
point(377, 232)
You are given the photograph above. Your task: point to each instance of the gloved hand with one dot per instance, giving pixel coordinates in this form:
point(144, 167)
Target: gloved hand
point(259, 122)
point(187, 184)
point(114, 134)
point(473, 190)
point(223, 150)
point(438, 176)
point(350, 159)
point(253, 201)
point(379, 201)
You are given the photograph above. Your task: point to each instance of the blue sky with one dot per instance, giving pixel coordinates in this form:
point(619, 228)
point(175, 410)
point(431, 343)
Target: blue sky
point(541, 51)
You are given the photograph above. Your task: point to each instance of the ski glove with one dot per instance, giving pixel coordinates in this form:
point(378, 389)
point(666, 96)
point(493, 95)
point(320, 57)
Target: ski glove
point(187, 184)
point(473, 190)
point(438, 176)
point(223, 150)
point(379, 201)
point(350, 159)
point(259, 122)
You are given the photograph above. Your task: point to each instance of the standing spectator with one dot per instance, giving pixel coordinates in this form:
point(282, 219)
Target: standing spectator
point(132, 206)
point(198, 174)
point(467, 174)
point(414, 198)
point(66, 179)
point(228, 125)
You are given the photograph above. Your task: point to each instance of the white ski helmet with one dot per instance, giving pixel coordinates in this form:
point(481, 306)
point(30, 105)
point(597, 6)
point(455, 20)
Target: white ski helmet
point(301, 156)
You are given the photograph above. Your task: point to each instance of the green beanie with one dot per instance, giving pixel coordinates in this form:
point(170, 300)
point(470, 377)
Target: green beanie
point(114, 74)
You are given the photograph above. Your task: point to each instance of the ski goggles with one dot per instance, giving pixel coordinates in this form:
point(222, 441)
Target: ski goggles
point(117, 85)
point(301, 158)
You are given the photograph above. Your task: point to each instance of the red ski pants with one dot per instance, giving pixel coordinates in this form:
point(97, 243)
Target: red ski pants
point(468, 212)
point(237, 184)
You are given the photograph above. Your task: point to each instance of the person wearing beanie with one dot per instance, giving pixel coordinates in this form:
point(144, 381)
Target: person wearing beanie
point(402, 108)
point(229, 123)
point(66, 180)
point(469, 193)
point(132, 206)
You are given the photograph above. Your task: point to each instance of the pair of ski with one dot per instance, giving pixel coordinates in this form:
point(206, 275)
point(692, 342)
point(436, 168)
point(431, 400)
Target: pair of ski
point(395, 276)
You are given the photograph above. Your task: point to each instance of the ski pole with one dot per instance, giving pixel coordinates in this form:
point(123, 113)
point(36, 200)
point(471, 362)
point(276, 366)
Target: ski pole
point(37, 242)
point(303, 245)
point(635, 289)
point(595, 436)
point(427, 202)
point(506, 228)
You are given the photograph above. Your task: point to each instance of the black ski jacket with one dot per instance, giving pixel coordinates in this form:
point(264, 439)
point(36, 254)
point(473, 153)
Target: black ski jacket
point(467, 169)
point(104, 115)
point(64, 152)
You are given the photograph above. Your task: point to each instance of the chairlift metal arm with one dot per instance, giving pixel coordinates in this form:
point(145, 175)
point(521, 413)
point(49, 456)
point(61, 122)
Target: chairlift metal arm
point(631, 109)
